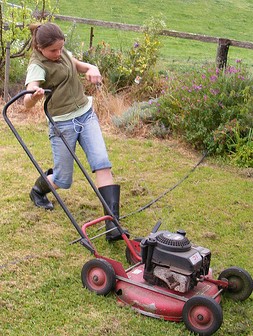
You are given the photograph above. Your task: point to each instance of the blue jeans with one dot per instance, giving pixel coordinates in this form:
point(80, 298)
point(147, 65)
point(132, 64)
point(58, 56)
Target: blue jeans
point(86, 131)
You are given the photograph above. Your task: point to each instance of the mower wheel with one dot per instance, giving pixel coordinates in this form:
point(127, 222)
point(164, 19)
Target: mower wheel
point(131, 259)
point(240, 283)
point(202, 315)
point(98, 276)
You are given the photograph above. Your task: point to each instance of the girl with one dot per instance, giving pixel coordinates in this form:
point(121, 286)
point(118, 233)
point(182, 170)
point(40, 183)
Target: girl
point(52, 67)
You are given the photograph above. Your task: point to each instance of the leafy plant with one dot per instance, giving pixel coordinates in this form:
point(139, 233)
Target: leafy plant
point(241, 148)
point(14, 25)
point(210, 108)
point(203, 106)
point(136, 66)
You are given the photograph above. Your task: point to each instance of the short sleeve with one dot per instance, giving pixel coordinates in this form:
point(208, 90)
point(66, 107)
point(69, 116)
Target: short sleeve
point(35, 73)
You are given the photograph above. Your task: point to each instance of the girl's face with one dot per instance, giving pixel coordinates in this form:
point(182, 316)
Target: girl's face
point(53, 52)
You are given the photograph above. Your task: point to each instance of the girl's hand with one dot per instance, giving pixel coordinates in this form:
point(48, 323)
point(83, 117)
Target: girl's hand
point(93, 75)
point(38, 94)
point(31, 99)
point(91, 72)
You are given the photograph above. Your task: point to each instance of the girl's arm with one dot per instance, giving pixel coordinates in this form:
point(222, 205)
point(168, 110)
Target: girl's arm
point(31, 99)
point(91, 71)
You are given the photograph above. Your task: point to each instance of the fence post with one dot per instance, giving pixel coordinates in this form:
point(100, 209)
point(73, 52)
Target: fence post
point(91, 36)
point(222, 52)
point(7, 72)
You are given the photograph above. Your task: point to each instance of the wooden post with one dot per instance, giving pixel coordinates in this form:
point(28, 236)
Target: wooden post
point(222, 52)
point(91, 36)
point(7, 72)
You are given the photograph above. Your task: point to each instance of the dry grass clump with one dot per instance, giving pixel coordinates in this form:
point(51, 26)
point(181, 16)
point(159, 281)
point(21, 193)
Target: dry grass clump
point(105, 103)
point(19, 113)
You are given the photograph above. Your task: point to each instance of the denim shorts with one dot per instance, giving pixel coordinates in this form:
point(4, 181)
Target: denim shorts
point(86, 131)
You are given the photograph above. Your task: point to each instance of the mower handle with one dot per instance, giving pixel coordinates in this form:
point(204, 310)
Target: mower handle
point(83, 240)
point(19, 95)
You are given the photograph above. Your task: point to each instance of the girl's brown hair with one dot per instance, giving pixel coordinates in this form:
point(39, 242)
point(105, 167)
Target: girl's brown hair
point(44, 35)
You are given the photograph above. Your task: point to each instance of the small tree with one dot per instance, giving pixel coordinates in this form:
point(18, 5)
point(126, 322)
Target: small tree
point(14, 25)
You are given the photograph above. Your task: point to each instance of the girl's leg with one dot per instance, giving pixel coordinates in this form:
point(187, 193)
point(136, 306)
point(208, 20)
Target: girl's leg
point(61, 175)
point(63, 160)
point(104, 177)
point(92, 142)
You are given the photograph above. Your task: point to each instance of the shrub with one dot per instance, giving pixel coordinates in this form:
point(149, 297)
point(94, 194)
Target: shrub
point(204, 106)
point(241, 148)
point(122, 70)
point(211, 109)
point(140, 118)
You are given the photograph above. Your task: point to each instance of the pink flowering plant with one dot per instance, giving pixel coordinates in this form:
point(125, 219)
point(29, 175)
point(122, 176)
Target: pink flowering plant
point(210, 108)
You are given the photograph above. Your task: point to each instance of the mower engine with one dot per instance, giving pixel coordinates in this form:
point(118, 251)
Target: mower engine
point(172, 261)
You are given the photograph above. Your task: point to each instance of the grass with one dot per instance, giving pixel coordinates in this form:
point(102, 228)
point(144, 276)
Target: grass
point(41, 289)
point(227, 19)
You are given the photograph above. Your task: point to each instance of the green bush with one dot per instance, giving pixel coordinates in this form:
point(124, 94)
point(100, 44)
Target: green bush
point(241, 148)
point(125, 69)
point(209, 107)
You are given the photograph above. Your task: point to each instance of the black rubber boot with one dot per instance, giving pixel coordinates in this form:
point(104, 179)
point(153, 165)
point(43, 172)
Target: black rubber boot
point(39, 191)
point(111, 195)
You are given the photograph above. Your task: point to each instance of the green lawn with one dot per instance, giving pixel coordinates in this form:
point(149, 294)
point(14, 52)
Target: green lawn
point(41, 289)
point(228, 19)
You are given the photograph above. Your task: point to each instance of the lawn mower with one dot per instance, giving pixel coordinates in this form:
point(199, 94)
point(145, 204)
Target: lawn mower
point(168, 278)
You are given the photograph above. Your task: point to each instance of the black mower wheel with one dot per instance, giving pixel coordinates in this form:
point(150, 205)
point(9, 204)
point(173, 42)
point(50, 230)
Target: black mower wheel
point(240, 283)
point(202, 315)
point(131, 259)
point(98, 276)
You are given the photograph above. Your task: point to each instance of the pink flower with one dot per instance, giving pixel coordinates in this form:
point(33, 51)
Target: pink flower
point(214, 92)
point(197, 87)
point(232, 70)
point(213, 78)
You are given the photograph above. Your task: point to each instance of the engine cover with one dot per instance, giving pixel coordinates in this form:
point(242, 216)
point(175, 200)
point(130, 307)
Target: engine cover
point(171, 260)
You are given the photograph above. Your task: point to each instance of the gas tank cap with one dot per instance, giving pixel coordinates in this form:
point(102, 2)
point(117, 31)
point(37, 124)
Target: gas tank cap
point(182, 232)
